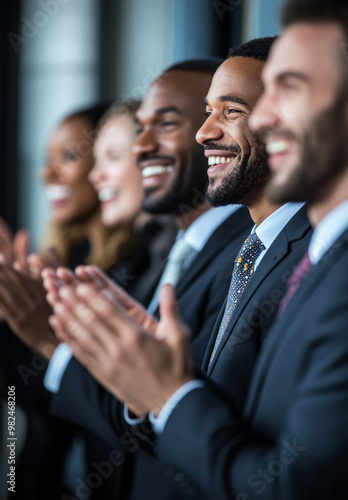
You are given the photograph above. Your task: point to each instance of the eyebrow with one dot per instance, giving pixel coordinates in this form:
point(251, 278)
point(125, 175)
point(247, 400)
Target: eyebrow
point(168, 109)
point(163, 111)
point(292, 74)
point(230, 98)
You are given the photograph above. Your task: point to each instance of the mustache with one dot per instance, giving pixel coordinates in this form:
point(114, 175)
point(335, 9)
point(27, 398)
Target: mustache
point(277, 131)
point(232, 148)
point(147, 156)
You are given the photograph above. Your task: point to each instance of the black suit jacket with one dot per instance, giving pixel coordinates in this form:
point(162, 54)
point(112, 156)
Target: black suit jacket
point(252, 319)
point(203, 287)
point(200, 293)
point(292, 442)
point(232, 366)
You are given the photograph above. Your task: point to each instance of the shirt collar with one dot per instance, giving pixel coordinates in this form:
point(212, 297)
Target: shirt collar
point(269, 229)
point(329, 229)
point(198, 233)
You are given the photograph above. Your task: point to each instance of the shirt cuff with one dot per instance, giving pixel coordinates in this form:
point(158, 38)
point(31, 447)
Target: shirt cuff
point(160, 421)
point(56, 367)
point(133, 421)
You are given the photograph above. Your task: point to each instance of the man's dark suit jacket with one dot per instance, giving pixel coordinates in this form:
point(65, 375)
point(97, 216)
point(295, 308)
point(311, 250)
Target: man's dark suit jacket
point(292, 442)
point(200, 293)
point(232, 366)
point(203, 287)
point(39, 468)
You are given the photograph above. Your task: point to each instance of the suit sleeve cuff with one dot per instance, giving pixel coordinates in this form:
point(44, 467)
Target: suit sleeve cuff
point(56, 367)
point(160, 421)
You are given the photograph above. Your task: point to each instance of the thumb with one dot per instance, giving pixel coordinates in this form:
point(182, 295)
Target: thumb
point(21, 246)
point(171, 326)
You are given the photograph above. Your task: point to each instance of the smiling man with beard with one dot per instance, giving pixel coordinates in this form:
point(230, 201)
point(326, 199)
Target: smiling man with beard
point(291, 441)
point(237, 173)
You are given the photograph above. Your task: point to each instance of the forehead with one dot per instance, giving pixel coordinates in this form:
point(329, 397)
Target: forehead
point(240, 77)
point(115, 126)
point(311, 49)
point(183, 90)
point(70, 129)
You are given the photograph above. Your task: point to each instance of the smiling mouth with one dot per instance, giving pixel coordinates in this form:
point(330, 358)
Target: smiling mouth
point(277, 147)
point(58, 193)
point(155, 170)
point(107, 194)
point(217, 160)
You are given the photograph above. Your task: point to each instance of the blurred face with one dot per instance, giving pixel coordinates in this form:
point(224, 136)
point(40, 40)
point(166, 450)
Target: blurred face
point(171, 162)
point(69, 161)
point(301, 114)
point(115, 174)
point(236, 158)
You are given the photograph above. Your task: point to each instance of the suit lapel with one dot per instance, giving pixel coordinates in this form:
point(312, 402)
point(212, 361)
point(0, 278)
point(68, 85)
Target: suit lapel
point(231, 228)
point(275, 339)
point(212, 338)
point(296, 228)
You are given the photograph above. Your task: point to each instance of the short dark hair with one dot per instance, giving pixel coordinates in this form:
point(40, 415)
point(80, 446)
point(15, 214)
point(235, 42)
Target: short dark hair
point(91, 113)
point(297, 11)
point(259, 48)
point(205, 65)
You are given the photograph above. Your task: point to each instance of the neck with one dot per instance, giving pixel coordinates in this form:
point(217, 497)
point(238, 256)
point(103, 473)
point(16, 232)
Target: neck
point(190, 214)
point(92, 228)
point(260, 209)
point(335, 195)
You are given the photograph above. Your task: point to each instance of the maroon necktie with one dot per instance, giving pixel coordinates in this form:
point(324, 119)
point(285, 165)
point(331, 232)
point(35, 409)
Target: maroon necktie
point(294, 282)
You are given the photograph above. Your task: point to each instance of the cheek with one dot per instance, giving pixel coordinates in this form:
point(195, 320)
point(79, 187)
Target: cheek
point(78, 173)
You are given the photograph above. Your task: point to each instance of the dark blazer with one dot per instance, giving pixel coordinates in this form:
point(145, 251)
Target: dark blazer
point(238, 350)
point(39, 468)
point(203, 287)
point(200, 293)
point(236, 356)
point(292, 442)
point(235, 359)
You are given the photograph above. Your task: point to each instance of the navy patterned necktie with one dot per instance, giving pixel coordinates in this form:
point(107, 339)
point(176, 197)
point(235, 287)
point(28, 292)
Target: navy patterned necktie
point(242, 272)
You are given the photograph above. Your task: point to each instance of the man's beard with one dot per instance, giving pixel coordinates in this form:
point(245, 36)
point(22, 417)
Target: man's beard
point(247, 179)
point(323, 156)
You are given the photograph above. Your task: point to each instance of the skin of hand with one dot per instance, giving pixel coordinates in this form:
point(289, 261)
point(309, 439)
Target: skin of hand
point(36, 263)
point(25, 309)
point(140, 367)
point(13, 247)
point(53, 281)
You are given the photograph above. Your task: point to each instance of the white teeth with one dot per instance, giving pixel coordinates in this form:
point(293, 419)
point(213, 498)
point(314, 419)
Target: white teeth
point(216, 160)
point(155, 170)
point(106, 194)
point(56, 192)
point(276, 147)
